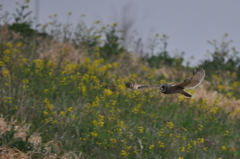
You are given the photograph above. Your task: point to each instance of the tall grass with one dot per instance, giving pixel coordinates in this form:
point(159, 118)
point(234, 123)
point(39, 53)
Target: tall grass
point(62, 99)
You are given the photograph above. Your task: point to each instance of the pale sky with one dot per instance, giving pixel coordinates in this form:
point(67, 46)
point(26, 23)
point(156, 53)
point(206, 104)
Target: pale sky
point(188, 23)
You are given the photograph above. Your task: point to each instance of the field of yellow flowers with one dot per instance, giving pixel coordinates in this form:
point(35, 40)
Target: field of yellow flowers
point(59, 101)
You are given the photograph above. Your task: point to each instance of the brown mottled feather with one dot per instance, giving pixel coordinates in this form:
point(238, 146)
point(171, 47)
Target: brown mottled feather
point(192, 82)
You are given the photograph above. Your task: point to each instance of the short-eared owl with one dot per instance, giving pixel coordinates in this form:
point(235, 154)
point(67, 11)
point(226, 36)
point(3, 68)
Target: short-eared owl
point(139, 86)
point(167, 88)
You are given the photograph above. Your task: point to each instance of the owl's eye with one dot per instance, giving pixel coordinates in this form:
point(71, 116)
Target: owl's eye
point(163, 88)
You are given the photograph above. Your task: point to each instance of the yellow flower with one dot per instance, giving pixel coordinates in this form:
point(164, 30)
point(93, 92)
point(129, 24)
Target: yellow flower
point(151, 147)
point(161, 144)
point(161, 132)
point(46, 91)
point(54, 122)
point(62, 113)
point(94, 134)
point(25, 81)
point(97, 22)
point(107, 92)
point(124, 153)
point(70, 109)
point(45, 113)
point(200, 127)
point(201, 140)
point(15, 108)
point(9, 45)
point(39, 63)
point(115, 24)
point(19, 44)
point(49, 106)
point(113, 140)
point(182, 149)
point(46, 101)
point(7, 84)
point(7, 52)
point(115, 64)
point(205, 148)
point(1, 63)
point(170, 125)
point(73, 117)
point(141, 129)
point(226, 133)
point(6, 59)
point(6, 73)
point(8, 100)
point(223, 148)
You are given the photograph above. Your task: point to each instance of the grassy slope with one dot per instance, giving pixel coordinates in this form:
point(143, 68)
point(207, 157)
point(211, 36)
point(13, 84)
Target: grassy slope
point(77, 102)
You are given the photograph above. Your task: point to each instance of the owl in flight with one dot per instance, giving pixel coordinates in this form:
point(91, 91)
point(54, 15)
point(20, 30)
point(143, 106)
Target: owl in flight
point(167, 88)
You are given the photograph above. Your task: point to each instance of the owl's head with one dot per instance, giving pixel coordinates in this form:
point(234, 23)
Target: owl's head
point(165, 88)
point(129, 85)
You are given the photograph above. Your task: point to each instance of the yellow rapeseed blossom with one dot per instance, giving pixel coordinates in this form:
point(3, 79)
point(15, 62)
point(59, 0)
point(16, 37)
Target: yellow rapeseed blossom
point(107, 92)
point(170, 125)
point(19, 44)
point(6, 59)
point(25, 81)
point(6, 73)
point(124, 153)
point(46, 101)
point(45, 113)
point(15, 108)
point(7, 84)
point(94, 134)
point(226, 133)
point(223, 148)
point(49, 107)
point(113, 140)
point(161, 132)
point(201, 140)
point(141, 129)
point(7, 52)
point(70, 109)
point(10, 45)
point(182, 149)
point(115, 64)
point(46, 91)
point(200, 127)
point(73, 117)
point(151, 147)
point(69, 69)
point(205, 148)
point(62, 113)
point(39, 64)
point(54, 122)
point(1, 63)
point(216, 78)
point(220, 87)
point(7, 100)
point(161, 144)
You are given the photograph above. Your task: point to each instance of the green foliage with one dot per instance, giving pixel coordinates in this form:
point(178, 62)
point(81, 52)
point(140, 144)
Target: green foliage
point(164, 59)
point(112, 45)
point(8, 140)
point(223, 58)
point(23, 22)
point(83, 107)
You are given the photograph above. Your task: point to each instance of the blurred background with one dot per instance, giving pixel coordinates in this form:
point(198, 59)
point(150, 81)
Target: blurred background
point(185, 27)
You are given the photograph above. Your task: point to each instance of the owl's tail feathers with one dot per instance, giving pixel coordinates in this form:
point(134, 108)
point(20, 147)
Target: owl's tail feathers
point(186, 94)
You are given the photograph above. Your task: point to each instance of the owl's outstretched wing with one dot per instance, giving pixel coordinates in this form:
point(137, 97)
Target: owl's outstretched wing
point(194, 81)
point(139, 86)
